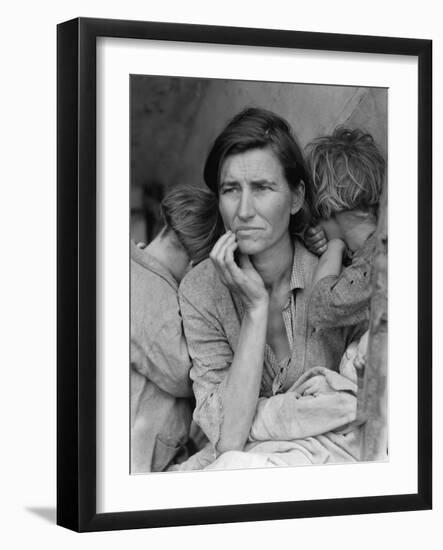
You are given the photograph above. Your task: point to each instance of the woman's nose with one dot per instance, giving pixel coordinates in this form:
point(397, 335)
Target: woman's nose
point(246, 208)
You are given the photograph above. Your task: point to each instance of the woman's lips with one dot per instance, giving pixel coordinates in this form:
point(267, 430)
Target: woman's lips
point(244, 231)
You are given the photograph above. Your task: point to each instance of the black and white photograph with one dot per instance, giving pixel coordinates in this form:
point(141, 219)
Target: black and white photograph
point(222, 249)
point(241, 214)
point(258, 274)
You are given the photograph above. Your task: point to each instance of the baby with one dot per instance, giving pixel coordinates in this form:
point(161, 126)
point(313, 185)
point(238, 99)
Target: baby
point(348, 173)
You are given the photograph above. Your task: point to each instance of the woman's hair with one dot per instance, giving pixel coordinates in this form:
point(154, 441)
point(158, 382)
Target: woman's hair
point(191, 212)
point(258, 128)
point(347, 172)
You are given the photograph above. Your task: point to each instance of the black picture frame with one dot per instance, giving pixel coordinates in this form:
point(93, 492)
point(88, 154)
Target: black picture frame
point(76, 274)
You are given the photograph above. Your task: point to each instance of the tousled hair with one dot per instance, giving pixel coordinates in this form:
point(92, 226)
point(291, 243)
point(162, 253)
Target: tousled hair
point(191, 212)
point(347, 172)
point(256, 128)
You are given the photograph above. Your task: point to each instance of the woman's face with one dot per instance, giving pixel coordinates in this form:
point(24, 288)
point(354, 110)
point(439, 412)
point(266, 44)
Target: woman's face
point(255, 200)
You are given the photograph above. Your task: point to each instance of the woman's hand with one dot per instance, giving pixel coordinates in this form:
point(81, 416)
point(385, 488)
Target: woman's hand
point(244, 280)
point(315, 240)
point(242, 382)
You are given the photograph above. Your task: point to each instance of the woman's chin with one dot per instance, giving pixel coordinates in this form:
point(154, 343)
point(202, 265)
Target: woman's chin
point(249, 248)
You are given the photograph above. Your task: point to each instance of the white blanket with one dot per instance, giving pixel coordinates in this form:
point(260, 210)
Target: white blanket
point(312, 423)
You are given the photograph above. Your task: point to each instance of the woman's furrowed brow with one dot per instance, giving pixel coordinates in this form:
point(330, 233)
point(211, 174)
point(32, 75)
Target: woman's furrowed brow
point(263, 181)
point(258, 181)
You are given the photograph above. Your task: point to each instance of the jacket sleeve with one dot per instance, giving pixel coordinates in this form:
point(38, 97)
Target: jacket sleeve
point(211, 356)
point(158, 345)
point(343, 300)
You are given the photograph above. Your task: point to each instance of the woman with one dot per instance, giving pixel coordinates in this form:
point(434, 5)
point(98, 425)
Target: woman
point(161, 394)
point(245, 309)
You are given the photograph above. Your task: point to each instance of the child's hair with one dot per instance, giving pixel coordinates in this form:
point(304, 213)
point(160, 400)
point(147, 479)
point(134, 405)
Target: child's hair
point(348, 172)
point(191, 212)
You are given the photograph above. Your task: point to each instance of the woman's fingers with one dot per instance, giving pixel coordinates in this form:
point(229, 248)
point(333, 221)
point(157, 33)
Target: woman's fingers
point(242, 279)
point(226, 261)
point(218, 256)
point(218, 252)
point(219, 245)
point(226, 264)
point(233, 270)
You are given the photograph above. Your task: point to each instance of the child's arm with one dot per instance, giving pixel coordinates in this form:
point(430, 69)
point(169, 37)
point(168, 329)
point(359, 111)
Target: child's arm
point(340, 296)
point(330, 263)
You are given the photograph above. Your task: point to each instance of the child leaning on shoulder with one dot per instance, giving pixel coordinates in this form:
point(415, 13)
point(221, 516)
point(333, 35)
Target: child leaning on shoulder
point(348, 174)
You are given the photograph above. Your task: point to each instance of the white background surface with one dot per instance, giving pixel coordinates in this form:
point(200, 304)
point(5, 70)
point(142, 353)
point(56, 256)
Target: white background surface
point(27, 288)
point(117, 490)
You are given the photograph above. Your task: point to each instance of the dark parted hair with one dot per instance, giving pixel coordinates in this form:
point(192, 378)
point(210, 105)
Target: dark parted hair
point(256, 128)
point(347, 171)
point(191, 212)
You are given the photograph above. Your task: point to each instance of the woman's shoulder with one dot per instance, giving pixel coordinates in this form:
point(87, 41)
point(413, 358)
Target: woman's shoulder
point(305, 260)
point(202, 281)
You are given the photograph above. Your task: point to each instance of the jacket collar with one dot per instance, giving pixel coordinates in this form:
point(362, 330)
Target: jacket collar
point(145, 259)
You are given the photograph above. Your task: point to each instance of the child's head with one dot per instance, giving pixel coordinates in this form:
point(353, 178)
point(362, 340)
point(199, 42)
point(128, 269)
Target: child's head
point(191, 213)
point(347, 171)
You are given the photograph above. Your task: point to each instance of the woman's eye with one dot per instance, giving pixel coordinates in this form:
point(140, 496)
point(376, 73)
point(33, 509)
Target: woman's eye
point(262, 187)
point(227, 190)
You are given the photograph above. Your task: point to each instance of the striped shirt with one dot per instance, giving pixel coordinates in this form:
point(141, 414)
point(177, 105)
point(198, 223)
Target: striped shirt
point(275, 372)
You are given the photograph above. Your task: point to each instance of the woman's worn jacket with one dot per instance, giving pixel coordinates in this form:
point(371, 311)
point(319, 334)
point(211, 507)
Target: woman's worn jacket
point(212, 319)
